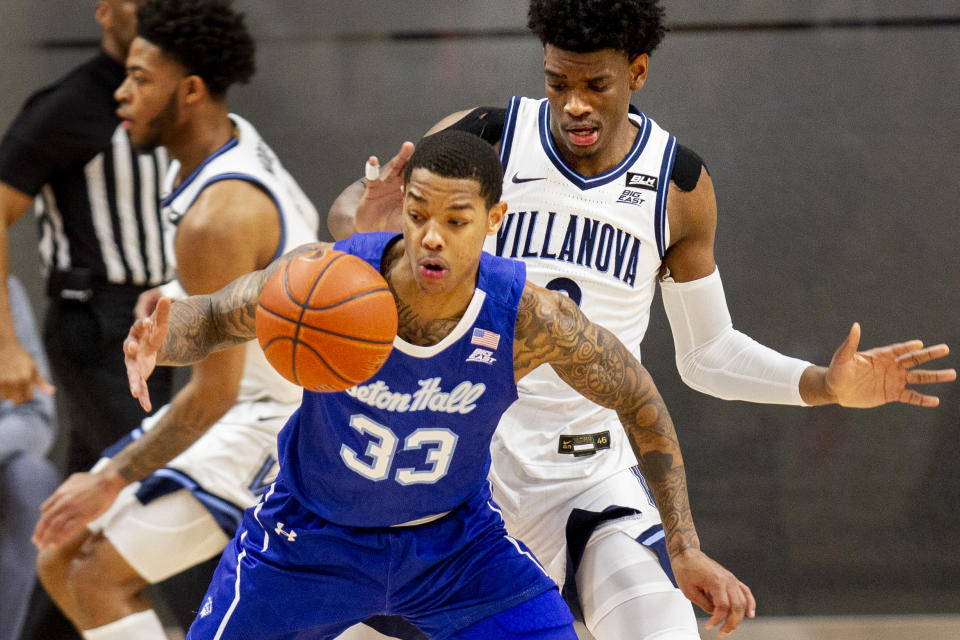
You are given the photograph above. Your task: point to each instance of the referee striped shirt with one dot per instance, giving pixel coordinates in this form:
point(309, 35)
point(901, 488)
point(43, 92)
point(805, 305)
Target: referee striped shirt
point(97, 199)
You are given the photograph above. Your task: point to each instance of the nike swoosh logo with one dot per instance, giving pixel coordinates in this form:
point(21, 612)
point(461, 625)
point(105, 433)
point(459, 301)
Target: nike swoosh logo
point(517, 180)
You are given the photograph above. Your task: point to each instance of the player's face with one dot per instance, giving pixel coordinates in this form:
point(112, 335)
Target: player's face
point(445, 221)
point(589, 95)
point(149, 95)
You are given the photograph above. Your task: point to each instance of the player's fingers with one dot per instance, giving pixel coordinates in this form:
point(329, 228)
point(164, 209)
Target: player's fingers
point(51, 501)
point(136, 382)
point(398, 164)
point(848, 348)
point(926, 376)
point(700, 599)
point(60, 530)
point(715, 619)
point(371, 170)
point(721, 609)
point(737, 609)
point(915, 357)
point(852, 341)
point(46, 530)
point(902, 348)
point(143, 395)
point(160, 322)
point(751, 601)
point(909, 396)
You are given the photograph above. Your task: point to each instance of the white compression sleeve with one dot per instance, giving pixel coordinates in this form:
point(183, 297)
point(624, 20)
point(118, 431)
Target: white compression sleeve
point(718, 360)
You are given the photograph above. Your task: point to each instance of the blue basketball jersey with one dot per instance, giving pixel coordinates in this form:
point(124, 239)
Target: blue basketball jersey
point(413, 441)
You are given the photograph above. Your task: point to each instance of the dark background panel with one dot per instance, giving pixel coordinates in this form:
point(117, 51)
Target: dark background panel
point(832, 134)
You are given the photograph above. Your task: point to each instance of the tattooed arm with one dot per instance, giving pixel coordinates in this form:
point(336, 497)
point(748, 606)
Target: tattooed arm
point(552, 329)
point(186, 331)
point(209, 256)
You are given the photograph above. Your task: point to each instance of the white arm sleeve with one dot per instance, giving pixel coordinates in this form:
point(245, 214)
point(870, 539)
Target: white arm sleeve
point(718, 360)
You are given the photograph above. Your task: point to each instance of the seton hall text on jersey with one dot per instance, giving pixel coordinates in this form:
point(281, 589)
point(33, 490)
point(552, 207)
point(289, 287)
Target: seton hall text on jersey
point(580, 240)
point(429, 397)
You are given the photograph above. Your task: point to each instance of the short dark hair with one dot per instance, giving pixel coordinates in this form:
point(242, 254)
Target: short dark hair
point(584, 26)
point(208, 37)
point(458, 154)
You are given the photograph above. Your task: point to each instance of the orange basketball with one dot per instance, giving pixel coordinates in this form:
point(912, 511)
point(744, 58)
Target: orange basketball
point(326, 322)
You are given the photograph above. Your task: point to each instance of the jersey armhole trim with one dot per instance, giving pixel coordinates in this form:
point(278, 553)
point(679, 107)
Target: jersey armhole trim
point(230, 144)
point(259, 183)
point(509, 128)
point(663, 188)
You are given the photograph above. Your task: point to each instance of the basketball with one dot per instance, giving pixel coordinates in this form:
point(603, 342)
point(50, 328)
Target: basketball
point(326, 322)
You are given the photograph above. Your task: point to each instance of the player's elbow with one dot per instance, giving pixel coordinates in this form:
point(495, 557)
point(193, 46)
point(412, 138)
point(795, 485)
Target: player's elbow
point(701, 371)
point(341, 218)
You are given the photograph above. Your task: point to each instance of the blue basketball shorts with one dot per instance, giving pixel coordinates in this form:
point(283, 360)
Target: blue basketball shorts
point(289, 574)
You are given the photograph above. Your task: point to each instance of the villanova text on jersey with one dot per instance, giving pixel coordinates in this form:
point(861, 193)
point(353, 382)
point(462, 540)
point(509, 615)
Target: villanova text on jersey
point(571, 238)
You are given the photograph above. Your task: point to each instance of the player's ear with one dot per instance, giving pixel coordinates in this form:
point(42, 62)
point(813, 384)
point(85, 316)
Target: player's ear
point(638, 71)
point(102, 14)
point(193, 88)
point(495, 217)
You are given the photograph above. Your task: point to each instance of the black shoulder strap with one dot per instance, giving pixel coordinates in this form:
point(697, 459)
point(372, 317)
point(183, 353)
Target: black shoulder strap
point(486, 122)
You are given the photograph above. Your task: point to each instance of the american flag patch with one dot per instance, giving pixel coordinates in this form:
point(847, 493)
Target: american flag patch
point(484, 338)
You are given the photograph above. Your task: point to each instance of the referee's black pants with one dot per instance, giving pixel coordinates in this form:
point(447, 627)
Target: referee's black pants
point(84, 342)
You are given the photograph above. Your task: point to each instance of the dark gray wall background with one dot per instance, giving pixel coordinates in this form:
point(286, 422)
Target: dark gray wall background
point(833, 148)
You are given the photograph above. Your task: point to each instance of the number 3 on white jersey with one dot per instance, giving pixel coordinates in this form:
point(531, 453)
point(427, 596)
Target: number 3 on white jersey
point(383, 446)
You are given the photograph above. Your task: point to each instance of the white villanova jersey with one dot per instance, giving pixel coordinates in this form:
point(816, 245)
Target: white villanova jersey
point(247, 157)
point(600, 240)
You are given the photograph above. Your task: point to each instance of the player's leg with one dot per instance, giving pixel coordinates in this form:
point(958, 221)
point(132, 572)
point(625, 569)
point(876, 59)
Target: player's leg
point(625, 590)
point(290, 574)
point(540, 618)
point(99, 582)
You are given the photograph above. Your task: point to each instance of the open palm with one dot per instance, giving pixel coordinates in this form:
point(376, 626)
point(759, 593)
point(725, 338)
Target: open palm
point(877, 376)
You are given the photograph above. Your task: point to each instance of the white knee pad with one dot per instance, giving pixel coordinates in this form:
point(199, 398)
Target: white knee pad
point(666, 615)
point(625, 593)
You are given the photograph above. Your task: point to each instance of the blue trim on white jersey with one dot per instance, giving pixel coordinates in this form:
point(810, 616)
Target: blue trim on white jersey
point(253, 180)
point(655, 539)
point(122, 443)
point(231, 143)
point(581, 182)
point(509, 128)
point(165, 481)
point(643, 483)
point(663, 188)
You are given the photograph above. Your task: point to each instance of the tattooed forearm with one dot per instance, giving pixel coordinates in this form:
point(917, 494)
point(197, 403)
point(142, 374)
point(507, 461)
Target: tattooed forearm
point(191, 413)
point(200, 325)
point(551, 328)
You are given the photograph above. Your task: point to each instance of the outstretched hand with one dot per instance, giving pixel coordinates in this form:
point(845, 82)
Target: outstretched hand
point(877, 376)
point(141, 347)
point(707, 584)
point(382, 202)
